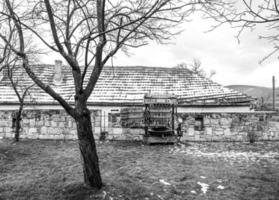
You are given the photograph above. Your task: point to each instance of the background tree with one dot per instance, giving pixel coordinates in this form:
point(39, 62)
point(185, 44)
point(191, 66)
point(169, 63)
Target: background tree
point(196, 67)
point(247, 14)
point(21, 91)
point(9, 64)
point(89, 32)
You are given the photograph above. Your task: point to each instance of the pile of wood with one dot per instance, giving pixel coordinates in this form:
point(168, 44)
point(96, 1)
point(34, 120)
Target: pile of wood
point(132, 117)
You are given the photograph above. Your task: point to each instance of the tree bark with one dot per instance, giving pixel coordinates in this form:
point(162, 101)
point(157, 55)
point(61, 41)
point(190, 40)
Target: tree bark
point(87, 146)
point(17, 123)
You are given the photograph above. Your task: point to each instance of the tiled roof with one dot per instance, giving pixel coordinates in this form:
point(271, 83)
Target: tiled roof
point(127, 85)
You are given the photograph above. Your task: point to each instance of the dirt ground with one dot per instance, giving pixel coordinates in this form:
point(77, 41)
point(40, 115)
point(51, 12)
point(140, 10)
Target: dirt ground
point(36, 169)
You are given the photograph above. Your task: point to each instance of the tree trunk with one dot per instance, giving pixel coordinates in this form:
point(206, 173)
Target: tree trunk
point(87, 146)
point(17, 123)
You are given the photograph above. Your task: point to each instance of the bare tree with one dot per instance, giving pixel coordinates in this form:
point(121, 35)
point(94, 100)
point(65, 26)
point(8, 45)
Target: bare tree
point(21, 91)
point(10, 63)
point(90, 32)
point(196, 67)
point(247, 14)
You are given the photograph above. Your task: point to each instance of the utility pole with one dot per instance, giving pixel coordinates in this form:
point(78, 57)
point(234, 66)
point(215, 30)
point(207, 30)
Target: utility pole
point(273, 92)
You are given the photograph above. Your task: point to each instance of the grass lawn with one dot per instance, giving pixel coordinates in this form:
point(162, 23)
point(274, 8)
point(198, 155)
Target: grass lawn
point(34, 169)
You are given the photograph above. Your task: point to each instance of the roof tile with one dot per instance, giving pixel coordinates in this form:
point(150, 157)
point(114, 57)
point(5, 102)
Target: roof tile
point(127, 84)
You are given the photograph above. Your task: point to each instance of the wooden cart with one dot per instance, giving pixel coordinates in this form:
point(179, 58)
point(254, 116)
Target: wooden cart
point(159, 116)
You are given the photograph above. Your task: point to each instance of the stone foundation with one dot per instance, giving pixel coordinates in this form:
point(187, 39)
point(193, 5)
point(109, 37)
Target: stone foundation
point(56, 124)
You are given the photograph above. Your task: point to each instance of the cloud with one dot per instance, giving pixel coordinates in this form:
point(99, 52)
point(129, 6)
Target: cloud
point(234, 63)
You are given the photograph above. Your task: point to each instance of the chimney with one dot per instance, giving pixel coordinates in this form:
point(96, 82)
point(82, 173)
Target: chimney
point(58, 76)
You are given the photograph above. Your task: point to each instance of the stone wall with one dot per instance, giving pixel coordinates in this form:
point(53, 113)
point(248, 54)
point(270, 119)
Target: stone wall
point(36, 124)
point(56, 124)
point(229, 127)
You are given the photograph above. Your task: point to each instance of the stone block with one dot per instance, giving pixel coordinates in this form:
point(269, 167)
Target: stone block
point(72, 132)
point(9, 123)
point(61, 124)
point(70, 124)
point(206, 121)
point(39, 123)
point(2, 134)
point(60, 137)
point(214, 122)
point(74, 125)
point(51, 137)
point(55, 118)
point(53, 123)
point(218, 132)
point(8, 130)
point(23, 136)
point(119, 131)
point(32, 122)
point(208, 131)
point(54, 131)
point(227, 132)
point(3, 123)
point(264, 136)
point(190, 131)
point(207, 137)
point(39, 136)
point(44, 130)
point(47, 123)
point(9, 135)
point(25, 121)
point(240, 138)
point(197, 137)
point(32, 131)
point(62, 118)
point(71, 137)
point(224, 122)
point(65, 131)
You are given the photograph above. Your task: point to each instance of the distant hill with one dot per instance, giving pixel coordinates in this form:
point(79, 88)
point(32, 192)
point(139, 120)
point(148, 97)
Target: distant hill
point(258, 92)
point(254, 91)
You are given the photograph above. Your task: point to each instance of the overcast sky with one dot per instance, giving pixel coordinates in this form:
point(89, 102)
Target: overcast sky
point(234, 63)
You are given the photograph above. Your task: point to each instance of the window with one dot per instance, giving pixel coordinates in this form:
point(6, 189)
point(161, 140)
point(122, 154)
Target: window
point(114, 120)
point(199, 125)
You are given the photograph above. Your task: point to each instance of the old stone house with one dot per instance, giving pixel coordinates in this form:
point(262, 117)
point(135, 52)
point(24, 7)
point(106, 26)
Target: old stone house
point(208, 110)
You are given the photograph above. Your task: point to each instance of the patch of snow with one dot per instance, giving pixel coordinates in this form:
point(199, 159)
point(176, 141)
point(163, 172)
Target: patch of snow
point(221, 187)
point(164, 182)
point(227, 155)
point(193, 192)
point(203, 177)
point(204, 187)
